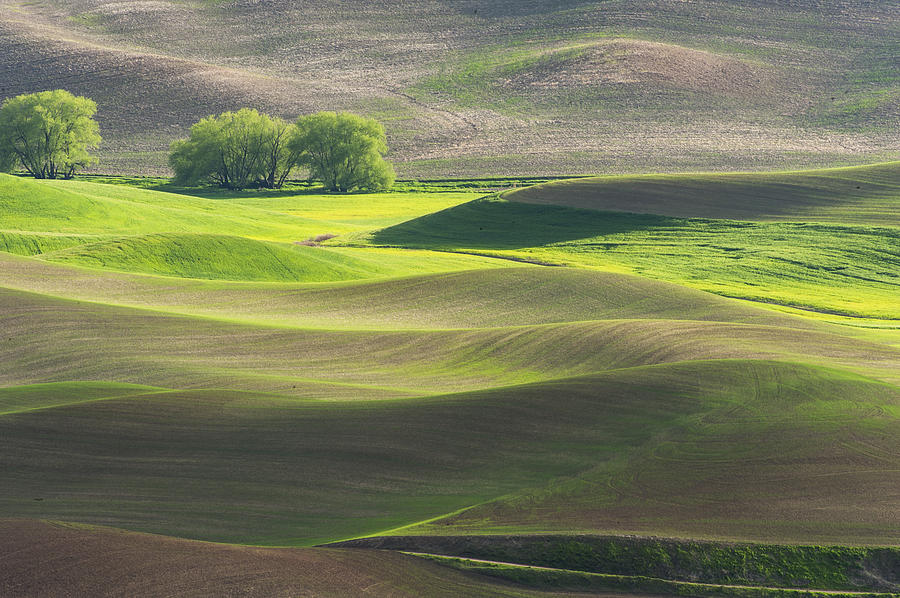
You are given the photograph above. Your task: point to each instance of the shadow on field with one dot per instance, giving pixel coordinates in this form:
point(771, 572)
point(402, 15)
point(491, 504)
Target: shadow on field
point(491, 223)
point(862, 195)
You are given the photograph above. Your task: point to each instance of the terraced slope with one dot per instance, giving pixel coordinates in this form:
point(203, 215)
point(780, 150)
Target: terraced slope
point(470, 89)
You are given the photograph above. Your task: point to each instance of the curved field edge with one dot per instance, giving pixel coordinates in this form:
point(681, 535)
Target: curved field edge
point(51, 339)
point(54, 559)
point(764, 566)
point(833, 268)
point(17, 399)
point(213, 257)
point(848, 270)
point(223, 257)
point(84, 208)
point(867, 195)
point(564, 579)
point(264, 469)
point(500, 296)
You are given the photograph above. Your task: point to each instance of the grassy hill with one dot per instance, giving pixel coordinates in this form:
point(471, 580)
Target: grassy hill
point(88, 208)
point(467, 89)
point(256, 238)
point(499, 295)
point(847, 264)
point(265, 465)
point(237, 258)
point(178, 364)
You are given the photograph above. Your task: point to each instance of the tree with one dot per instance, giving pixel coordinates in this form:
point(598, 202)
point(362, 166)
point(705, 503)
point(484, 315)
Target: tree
point(48, 133)
point(344, 151)
point(235, 150)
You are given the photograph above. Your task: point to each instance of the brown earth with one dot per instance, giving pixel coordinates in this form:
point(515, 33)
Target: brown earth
point(672, 87)
point(627, 61)
point(42, 559)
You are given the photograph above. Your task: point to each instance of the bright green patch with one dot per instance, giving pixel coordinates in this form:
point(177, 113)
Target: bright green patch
point(37, 243)
point(85, 208)
point(314, 406)
point(235, 258)
point(851, 270)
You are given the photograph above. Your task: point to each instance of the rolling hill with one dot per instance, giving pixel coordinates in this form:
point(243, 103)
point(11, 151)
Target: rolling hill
point(176, 364)
point(860, 195)
point(844, 260)
point(170, 566)
point(467, 89)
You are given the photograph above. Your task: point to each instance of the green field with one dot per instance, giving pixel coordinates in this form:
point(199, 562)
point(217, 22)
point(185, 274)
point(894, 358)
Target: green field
point(764, 246)
point(451, 363)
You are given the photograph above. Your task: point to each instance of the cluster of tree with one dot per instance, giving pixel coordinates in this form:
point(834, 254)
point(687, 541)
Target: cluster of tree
point(244, 149)
point(49, 134)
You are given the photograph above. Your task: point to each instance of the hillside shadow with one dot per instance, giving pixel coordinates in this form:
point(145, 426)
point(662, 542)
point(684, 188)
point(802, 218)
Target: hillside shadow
point(498, 224)
point(859, 195)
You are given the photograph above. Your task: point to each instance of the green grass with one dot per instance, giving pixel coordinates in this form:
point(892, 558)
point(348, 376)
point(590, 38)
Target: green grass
point(174, 363)
point(513, 295)
point(214, 257)
point(44, 396)
point(740, 565)
point(214, 235)
point(87, 208)
point(835, 268)
point(578, 581)
point(36, 243)
point(261, 467)
point(732, 473)
point(220, 257)
point(59, 340)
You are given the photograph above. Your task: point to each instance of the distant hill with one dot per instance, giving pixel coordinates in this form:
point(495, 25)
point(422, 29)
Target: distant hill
point(470, 88)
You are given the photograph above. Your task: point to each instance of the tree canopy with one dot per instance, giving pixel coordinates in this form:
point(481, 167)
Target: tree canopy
point(344, 151)
point(244, 149)
point(48, 133)
point(235, 150)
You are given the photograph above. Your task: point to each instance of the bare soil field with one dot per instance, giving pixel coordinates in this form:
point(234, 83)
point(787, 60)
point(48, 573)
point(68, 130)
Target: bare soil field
point(43, 559)
point(465, 89)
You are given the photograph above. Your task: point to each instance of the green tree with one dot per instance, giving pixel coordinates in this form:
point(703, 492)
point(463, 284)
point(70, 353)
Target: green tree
point(235, 150)
point(344, 151)
point(48, 133)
